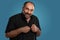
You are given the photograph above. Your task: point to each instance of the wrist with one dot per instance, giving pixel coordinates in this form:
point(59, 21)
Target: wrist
point(19, 30)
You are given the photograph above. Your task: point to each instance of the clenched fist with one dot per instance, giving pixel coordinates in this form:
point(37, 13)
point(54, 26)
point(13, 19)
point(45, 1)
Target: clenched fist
point(34, 28)
point(25, 29)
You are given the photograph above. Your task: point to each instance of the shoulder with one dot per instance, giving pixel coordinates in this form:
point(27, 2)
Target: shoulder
point(15, 16)
point(34, 17)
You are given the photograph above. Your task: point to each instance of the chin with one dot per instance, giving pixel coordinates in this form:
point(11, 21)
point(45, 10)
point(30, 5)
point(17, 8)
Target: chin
point(27, 17)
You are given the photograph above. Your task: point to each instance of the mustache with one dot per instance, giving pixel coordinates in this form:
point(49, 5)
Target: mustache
point(27, 14)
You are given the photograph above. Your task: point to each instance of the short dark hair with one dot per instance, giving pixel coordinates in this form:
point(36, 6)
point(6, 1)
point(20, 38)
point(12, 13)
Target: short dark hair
point(28, 2)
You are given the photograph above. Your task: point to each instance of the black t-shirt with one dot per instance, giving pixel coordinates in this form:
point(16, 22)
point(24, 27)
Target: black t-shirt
point(18, 21)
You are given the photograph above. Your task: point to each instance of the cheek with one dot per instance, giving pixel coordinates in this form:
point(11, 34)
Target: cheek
point(32, 12)
point(25, 10)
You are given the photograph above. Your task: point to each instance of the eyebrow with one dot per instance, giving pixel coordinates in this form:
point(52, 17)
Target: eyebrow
point(30, 9)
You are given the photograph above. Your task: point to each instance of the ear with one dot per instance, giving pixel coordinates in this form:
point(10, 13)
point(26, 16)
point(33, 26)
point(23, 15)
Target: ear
point(22, 9)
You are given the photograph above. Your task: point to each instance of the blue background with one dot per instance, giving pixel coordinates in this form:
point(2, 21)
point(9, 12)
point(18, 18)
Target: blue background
point(48, 12)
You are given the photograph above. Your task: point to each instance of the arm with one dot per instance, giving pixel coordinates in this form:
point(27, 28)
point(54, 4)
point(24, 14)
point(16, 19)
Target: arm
point(38, 32)
point(16, 32)
point(13, 33)
point(35, 29)
point(10, 31)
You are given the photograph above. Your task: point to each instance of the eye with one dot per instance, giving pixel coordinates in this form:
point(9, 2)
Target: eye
point(31, 9)
point(27, 8)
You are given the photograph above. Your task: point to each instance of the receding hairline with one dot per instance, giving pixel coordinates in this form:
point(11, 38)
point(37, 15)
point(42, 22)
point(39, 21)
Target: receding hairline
point(29, 2)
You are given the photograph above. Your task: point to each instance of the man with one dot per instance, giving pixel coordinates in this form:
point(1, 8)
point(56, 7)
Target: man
point(24, 26)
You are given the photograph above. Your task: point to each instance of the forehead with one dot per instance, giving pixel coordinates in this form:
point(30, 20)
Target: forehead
point(29, 5)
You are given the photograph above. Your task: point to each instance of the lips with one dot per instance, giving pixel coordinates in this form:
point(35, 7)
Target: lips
point(27, 15)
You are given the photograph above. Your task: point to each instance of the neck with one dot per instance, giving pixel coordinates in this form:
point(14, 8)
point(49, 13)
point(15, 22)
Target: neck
point(28, 20)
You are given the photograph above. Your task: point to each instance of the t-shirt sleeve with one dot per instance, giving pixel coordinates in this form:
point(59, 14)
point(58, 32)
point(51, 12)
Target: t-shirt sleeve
point(10, 25)
point(36, 22)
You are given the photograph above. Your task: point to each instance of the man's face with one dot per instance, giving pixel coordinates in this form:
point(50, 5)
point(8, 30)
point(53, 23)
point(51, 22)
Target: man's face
point(28, 10)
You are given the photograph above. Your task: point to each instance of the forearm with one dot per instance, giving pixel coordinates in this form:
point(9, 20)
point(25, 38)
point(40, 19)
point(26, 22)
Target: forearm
point(13, 33)
point(38, 33)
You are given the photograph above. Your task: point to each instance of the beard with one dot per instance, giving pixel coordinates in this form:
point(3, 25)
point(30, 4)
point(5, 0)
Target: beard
point(27, 15)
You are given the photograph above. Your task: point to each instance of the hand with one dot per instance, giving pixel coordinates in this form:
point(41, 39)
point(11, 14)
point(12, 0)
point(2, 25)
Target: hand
point(25, 29)
point(34, 28)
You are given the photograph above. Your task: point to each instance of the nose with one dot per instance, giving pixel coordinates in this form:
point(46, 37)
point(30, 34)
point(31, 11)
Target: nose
point(29, 11)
